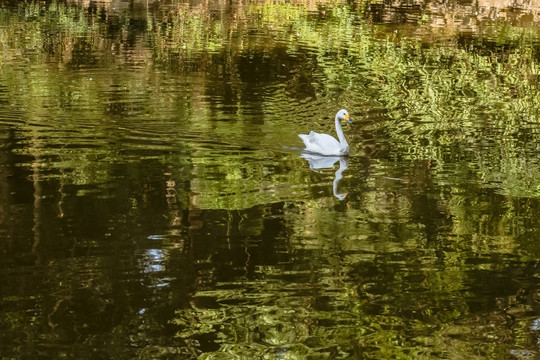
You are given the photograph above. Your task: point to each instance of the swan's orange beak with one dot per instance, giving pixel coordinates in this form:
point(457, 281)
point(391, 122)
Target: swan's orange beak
point(347, 117)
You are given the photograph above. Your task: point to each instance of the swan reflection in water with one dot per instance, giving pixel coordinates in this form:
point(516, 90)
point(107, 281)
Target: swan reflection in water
point(317, 162)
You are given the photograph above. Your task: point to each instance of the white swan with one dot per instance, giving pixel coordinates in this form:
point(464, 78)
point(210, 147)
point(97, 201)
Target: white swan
point(325, 144)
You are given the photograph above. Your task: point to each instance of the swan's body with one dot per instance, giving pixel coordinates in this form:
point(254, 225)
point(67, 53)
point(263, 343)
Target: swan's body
point(325, 144)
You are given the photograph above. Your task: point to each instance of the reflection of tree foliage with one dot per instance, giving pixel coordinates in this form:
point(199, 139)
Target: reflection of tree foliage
point(200, 94)
point(433, 97)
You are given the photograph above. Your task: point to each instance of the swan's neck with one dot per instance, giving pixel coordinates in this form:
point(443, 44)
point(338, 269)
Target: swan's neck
point(341, 137)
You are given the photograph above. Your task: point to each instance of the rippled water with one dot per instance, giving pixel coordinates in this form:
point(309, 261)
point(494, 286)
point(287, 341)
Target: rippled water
point(155, 202)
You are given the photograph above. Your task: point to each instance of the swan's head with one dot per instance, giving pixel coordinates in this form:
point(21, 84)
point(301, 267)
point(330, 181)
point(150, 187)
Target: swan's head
point(344, 115)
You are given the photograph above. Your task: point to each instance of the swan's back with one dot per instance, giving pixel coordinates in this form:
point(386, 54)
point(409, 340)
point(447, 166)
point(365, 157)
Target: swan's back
point(323, 144)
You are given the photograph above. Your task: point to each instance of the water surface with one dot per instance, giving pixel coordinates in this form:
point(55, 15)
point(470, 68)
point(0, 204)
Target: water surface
point(155, 202)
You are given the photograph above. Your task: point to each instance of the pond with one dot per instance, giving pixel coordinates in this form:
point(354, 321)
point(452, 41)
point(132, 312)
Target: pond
point(156, 203)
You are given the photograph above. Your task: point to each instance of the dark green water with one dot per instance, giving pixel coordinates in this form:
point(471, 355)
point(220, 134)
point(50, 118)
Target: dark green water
point(155, 202)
